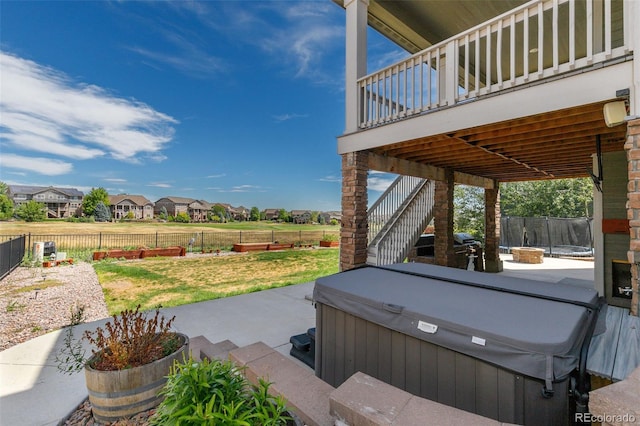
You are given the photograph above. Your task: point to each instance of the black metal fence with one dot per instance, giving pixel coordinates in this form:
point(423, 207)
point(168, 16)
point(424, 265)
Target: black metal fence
point(193, 241)
point(557, 236)
point(11, 254)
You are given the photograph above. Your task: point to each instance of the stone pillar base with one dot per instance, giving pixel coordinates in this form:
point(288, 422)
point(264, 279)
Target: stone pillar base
point(493, 265)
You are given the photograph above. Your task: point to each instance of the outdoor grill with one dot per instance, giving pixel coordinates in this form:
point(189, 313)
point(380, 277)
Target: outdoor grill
point(509, 349)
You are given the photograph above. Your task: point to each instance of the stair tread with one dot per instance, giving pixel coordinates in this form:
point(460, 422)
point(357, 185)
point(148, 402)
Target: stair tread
point(202, 348)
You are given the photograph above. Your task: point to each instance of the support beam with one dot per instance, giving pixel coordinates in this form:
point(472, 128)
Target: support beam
point(632, 146)
point(410, 168)
point(354, 228)
point(443, 221)
point(504, 157)
point(356, 59)
point(492, 230)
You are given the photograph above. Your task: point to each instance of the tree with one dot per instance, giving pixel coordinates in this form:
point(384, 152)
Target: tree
point(220, 211)
point(32, 211)
point(4, 188)
point(468, 210)
point(283, 216)
point(6, 207)
point(91, 200)
point(163, 213)
point(547, 198)
point(254, 215)
point(101, 212)
point(314, 216)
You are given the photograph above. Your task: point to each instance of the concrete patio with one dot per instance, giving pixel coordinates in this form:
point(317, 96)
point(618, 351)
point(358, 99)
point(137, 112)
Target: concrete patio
point(33, 392)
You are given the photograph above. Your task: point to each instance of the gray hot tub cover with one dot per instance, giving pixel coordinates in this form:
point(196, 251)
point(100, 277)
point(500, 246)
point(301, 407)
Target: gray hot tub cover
point(539, 335)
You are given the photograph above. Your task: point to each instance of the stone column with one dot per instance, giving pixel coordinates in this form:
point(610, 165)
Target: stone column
point(354, 228)
point(632, 146)
point(492, 229)
point(443, 221)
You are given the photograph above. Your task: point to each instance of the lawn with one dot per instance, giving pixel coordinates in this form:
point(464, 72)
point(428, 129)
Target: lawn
point(54, 227)
point(177, 281)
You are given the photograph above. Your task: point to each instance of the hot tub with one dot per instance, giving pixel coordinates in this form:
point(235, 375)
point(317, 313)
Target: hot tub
point(509, 349)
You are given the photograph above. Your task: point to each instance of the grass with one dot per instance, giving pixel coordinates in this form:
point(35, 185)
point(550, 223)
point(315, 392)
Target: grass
point(16, 291)
point(53, 227)
point(170, 282)
point(13, 306)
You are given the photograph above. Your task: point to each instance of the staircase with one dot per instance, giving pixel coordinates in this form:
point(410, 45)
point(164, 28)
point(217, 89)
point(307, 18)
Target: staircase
point(397, 219)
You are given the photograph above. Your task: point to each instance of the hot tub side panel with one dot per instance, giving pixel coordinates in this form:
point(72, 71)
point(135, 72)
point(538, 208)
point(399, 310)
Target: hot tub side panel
point(347, 344)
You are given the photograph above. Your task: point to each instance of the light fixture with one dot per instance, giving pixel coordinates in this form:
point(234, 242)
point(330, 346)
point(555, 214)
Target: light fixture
point(614, 113)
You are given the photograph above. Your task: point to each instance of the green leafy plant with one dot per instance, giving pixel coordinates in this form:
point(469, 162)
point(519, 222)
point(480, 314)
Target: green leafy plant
point(13, 306)
point(77, 314)
point(331, 237)
point(216, 393)
point(130, 340)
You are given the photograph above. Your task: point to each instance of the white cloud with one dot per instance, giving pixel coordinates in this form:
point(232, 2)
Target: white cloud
point(159, 185)
point(44, 111)
point(384, 59)
point(379, 181)
point(115, 180)
point(287, 117)
point(41, 165)
point(297, 37)
point(242, 188)
point(216, 176)
point(331, 178)
point(307, 9)
point(190, 60)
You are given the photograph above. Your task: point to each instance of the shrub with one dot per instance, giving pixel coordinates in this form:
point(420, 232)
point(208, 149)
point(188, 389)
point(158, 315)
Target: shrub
point(182, 217)
point(32, 211)
point(131, 340)
point(216, 393)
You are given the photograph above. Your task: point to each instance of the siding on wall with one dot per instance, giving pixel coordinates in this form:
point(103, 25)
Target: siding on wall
point(614, 200)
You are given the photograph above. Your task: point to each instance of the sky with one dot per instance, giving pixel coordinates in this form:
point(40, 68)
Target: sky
point(235, 102)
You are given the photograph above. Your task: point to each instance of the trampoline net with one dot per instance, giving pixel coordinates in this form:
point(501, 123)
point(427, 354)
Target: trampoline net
point(557, 236)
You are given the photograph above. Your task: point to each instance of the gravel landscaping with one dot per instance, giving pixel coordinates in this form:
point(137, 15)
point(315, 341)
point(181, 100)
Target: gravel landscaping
point(36, 301)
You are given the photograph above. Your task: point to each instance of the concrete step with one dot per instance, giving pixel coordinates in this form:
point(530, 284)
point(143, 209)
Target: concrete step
point(306, 395)
point(364, 400)
point(202, 348)
point(361, 400)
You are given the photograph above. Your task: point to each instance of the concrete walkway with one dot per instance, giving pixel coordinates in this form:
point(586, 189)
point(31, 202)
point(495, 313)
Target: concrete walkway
point(33, 392)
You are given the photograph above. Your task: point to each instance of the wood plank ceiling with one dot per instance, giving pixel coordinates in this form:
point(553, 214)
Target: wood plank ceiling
point(558, 144)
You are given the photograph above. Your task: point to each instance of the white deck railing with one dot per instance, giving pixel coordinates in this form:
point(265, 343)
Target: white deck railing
point(510, 50)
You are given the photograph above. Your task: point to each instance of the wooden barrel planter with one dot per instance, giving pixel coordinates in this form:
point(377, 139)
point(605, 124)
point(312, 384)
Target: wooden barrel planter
point(125, 393)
